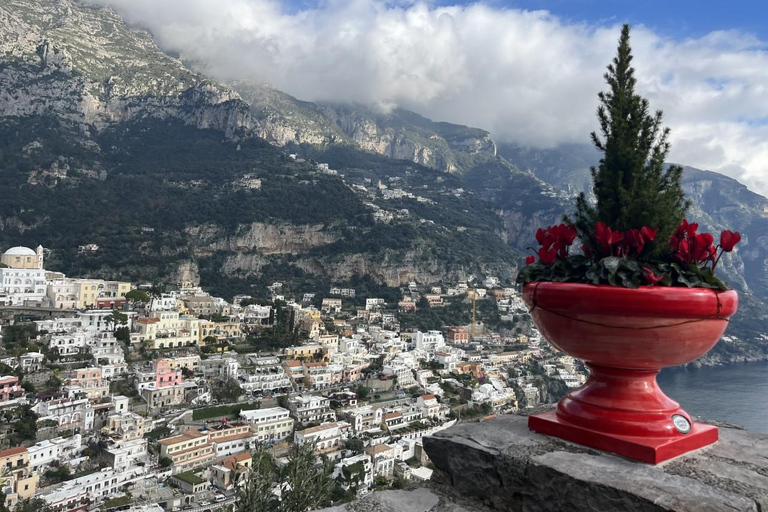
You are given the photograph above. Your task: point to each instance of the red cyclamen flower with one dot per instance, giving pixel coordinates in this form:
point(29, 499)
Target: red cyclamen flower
point(548, 256)
point(650, 277)
point(530, 259)
point(728, 239)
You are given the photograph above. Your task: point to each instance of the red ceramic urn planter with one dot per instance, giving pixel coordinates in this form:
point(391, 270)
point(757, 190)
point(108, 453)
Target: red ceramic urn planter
point(626, 336)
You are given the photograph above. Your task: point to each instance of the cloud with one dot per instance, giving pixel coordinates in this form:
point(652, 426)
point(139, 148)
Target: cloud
point(526, 76)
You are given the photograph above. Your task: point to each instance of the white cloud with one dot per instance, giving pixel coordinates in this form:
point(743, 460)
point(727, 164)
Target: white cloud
point(526, 76)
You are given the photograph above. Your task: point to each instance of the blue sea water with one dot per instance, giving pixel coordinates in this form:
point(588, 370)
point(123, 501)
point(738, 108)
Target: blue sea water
point(737, 393)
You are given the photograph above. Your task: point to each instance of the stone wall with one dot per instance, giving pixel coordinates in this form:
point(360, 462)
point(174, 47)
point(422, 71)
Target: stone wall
point(505, 466)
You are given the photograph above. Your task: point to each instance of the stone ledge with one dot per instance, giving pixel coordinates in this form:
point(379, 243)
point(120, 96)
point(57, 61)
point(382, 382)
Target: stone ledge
point(422, 499)
point(507, 467)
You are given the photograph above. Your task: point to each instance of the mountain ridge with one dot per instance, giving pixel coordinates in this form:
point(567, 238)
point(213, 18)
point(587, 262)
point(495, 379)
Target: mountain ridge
point(198, 177)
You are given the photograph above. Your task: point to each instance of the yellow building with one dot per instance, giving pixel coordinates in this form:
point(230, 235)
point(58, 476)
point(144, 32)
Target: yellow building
point(23, 258)
point(125, 426)
point(303, 352)
point(219, 330)
point(163, 397)
point(188, 450)
point(167, 329)
point(188, 362)
point(19, 481)
point(85, 293)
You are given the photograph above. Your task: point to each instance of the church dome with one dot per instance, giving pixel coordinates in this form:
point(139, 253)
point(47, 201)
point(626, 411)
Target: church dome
point(20, 251)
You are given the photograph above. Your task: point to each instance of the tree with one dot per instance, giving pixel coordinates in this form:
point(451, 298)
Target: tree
point(123, 334)
point(631, 184)
point(116, 318)
point(33, 505)
point(255, 494)
point(137, 296)
point(165, 462)
point(354, 444)
point(307, 486)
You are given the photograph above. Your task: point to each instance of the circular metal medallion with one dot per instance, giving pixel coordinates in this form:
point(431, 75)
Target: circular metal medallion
point(681, 423)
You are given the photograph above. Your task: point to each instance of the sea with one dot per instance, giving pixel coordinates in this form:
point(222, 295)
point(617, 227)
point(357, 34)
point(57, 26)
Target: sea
point(736, 393)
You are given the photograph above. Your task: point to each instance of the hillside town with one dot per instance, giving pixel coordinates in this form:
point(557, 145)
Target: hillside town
point(132, 396)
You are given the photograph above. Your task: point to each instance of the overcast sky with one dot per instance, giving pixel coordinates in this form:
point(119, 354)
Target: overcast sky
point(528, 76)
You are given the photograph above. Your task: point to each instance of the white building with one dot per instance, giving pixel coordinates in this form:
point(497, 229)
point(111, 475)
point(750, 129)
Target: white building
point(269, 425)
point(355, 472)
point(67, 344)
point(311, 409)
point(327, 438)
point(430, 341)
point(42, 454)
point(69, 413)
point(23, 281)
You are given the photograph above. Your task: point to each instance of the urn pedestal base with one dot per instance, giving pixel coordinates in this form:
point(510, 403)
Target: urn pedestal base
point(651, 450)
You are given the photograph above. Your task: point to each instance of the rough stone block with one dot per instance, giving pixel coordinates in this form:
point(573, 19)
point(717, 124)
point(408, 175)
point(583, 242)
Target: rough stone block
point(507, 467)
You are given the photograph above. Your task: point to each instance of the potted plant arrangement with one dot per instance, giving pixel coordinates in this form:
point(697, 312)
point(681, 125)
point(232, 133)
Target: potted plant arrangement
point(640, 294)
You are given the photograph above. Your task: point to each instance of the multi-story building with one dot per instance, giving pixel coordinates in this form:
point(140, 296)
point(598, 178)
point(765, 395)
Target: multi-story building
point(219, 330)
point(354, 472)
point(403, 373)
point(125, 426)
point(10, 388)
point(71, 413)
point(322, 375)
point(22, 278)
point(331, 306)
point(42, 454)
point(327, 438)
point(188, 450)
point(67, 293)
point(304, 352)
point(429, 341)
point(430, 407)
point(163, 397)
point(68, 344)
point(458, 335)
point(263, 379)
point(231, 471)
point(311, 409)
point(89, 490)
point(231, 437)
point(364, 418)
point(382, 459)
point(371, 304)
point(98, 320)
point(167, 329)
point(191, 362)
point(91, 381)
point(19, 481)
point(199, 305)
point(126, 454)
point(269, 425)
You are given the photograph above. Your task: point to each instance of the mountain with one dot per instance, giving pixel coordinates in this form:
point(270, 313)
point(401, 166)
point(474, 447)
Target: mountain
point(106, 140)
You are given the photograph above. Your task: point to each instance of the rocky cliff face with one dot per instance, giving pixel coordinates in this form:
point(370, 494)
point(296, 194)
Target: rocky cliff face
point(84, 65)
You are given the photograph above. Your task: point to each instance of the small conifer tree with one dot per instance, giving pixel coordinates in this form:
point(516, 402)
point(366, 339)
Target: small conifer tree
point(632, 185)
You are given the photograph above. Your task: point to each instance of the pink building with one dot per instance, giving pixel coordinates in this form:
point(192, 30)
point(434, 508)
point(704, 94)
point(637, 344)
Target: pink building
point(165, 375)
point(9, 388)
point(354, 373)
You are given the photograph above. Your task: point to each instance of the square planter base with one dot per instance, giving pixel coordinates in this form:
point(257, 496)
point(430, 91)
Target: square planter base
point(650, 450)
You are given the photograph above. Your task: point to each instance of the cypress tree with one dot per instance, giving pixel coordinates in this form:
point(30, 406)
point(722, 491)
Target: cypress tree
point(632, 184)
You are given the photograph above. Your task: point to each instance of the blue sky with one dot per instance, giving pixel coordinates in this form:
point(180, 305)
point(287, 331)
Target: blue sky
point(672, 18)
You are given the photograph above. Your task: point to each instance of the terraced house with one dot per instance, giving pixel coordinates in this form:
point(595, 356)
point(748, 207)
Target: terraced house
point(188, 450)
point(19, 481)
